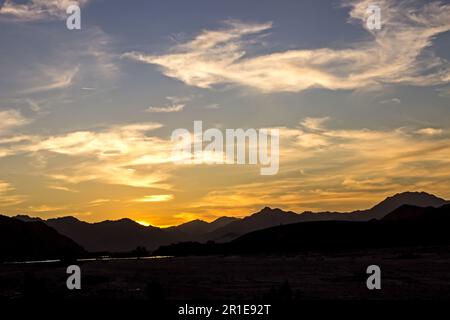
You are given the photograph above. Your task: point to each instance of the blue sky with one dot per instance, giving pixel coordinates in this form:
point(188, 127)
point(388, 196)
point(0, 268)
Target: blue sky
point(363, 113)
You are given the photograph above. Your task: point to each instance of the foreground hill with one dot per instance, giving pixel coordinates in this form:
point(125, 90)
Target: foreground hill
point(34, 240)
point(405, 226)
point(198, 227)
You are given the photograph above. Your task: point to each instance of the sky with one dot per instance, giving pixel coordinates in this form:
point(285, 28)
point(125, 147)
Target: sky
point(86, 116)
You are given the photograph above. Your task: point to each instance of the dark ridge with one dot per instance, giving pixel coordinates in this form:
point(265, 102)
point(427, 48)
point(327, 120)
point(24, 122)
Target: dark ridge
point(405, 226)
point(34, 240)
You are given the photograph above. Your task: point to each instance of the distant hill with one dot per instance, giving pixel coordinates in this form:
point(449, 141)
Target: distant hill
point(34, 240)
point(200, 227)
point(116, 236)
point(126, 234)
point(26, 218)
point(265, 218)
point(405, 226)
point(419, 199)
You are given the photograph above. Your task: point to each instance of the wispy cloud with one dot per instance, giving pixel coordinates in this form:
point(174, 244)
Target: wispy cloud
point(391, 101)
point(444, 92)
point(100, 201)
point(430, 131)
point(314, 123)
point(166, 109)
point(54, 79)
point(122, 155)
point(155, 198)
point(394, 55)
point(7, 198)
point(34, 105)
point(339, 169)
point(176, 104)
point(10, 119)
point(62, 188)
point(35, 10)
point(44, 208)
point(212, 106)
point(86, 62)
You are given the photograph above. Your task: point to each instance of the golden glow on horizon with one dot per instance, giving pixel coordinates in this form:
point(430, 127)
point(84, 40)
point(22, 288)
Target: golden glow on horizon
point(144, 223)
point(320, 169)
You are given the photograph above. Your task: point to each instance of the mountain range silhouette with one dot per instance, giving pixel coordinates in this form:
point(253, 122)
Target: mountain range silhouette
point(406, 226)
point(126, 235)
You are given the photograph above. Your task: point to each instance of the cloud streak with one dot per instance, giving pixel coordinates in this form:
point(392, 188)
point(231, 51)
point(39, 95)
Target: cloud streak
point(6, 196)
point(123, 155)
point(55, 79)
point(166, 109)
point(394, 55)
point(10, 119)
point(37, 10)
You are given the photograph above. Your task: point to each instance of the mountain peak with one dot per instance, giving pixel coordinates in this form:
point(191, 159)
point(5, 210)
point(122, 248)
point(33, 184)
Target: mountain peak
point(411, 197)
point(65, 219)
point(197, 221)
point(193, 223)
point(420, 199)
point(26, 218)
point(126, 220)
point(224, 219)
point(413, 194)
point(268, 210)
point(272, 211)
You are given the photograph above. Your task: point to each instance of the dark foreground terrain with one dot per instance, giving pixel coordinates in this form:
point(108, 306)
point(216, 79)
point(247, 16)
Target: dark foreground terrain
point(413, 273)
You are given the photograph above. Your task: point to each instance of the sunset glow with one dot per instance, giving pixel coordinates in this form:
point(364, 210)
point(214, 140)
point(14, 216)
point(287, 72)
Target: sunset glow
point(86, 122)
